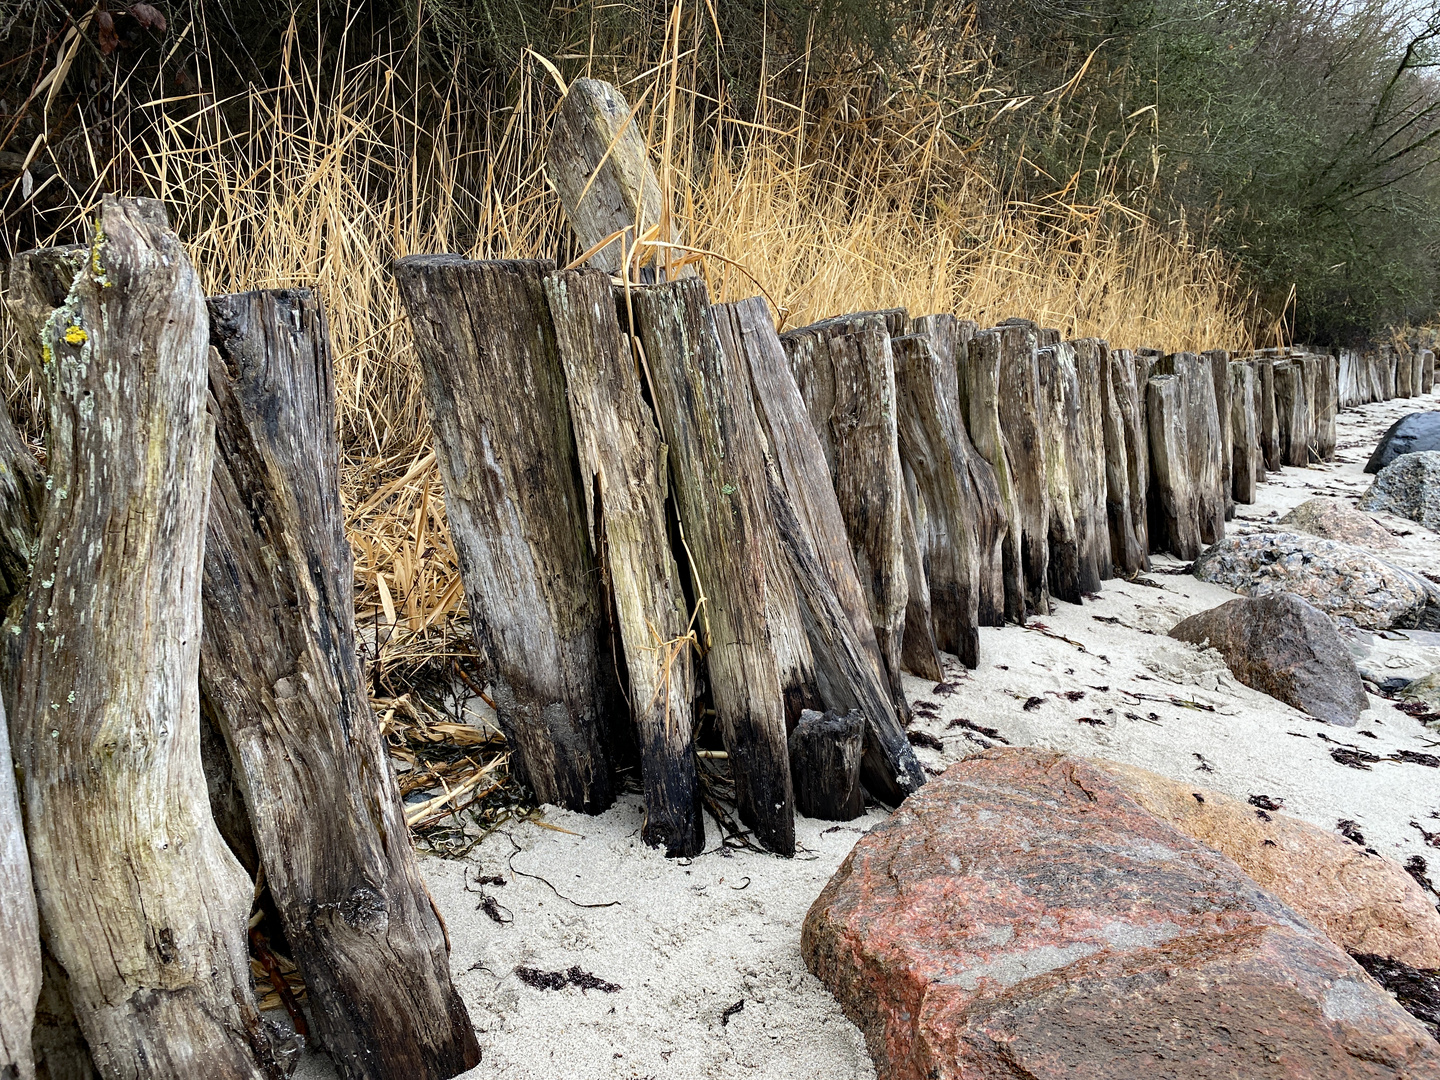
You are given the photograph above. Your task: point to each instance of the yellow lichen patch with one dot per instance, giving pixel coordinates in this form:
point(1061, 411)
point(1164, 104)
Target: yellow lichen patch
point(46, 353)
point(75, 336)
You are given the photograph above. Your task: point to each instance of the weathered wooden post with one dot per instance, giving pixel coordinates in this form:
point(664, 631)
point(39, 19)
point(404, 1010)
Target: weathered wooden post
point(1427, 375)
point(919, 653)
point(1404, 373)
point(1327, 405)
point(280, 673)
point(1059, 417)
point(19, 928)
point(1174, 523)
point(719, 481)
point(980, 368)
point(1203, 431)
point(1092, 371)
point(1220, 376)
point(1292, 414)
point(1244, 432)
point(106, 712)
point(825, 760)
point(845, 370)
point(507, 456)
point(1127, 463)
point(1389, 361)
point(1266, 413)
point(1021, 411)
point(624, 479)
point(812, 532)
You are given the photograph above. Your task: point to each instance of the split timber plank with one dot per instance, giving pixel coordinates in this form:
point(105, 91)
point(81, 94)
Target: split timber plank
point(1092, 370)
point(1292, 414)
point(719, 480)
point(1220, 375)
point(1244, 432)
point(1021, 412)
point(1127, 464)
point(280, 672)
point(507, 456)
point(1059, 418)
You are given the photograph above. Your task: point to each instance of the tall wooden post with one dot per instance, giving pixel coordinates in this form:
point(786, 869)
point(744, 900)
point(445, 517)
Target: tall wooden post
point(1174, 523)
point(143, 904)
point(1092, 371)
point(1127, 463)
point(1021, 411)
point(281, 676)
point(19, 928)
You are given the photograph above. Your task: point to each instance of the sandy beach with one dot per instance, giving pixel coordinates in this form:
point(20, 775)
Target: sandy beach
point(692, 968)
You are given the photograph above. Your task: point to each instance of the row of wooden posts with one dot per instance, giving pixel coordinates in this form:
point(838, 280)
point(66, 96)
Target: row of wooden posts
point(664, 510)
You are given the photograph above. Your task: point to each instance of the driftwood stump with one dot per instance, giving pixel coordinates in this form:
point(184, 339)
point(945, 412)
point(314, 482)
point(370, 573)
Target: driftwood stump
point(1127, 464)
point(825, 761)
point(507, 456)
point(1244, 433)
point(1021, 412)
point(719, 481)
point(280, 672)
point(106, 711)
point(846, 374)
point(1174, 523)
point(812, 532)
point(623, 472)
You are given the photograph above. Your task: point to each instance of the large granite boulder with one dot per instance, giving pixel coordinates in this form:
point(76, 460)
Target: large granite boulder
point(1408, 435)
point(1021, 916)
point(1333, 519)
point(1341, 580)
point(1284, 647)
point(1363, 902)
point(1408, 487)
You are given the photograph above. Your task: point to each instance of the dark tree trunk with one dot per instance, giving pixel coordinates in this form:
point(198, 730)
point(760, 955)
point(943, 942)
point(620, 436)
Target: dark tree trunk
point(825, 761)
point(719, 479)
point(279, 670)
point(106, 716)
point(512, 495)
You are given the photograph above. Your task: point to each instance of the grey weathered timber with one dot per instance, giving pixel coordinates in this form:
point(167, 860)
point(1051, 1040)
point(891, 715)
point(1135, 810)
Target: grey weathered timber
point(1404, 374)
point(1202, 424)
point(601, 169)
point(623, 472)
point(919, 653)
point(1069, 575)
point(937, 451)
point(825, 761)
point(1021, 411)
point(1310, 374)
point(1269, 421)
point(281, 676)
point(1220, 375)
point(812, 532)
point(980, 365)
point(1174, 523)
point(845, 370)
point(22, 496)
point(1127, 463)
point(1327, 405)
point(1092, 370)
point(19, 929)
point(1292, 414)
point(719, 481)
point(106, 711)
point(1389, 361)
point(1427, 371)
point(507, 457)
point(1244, 432)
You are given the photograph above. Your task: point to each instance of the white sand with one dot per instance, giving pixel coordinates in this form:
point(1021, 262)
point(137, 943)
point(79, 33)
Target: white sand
point(688, 939)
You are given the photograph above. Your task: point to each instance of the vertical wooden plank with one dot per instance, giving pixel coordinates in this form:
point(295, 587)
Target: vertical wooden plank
point(1203, 432)
point(1292, 414)
point(1069, 576)
point(1092, 371)
point(1127, 464)
point(19, 928)
point(1220, 375)
point(1174, 523)
point(1269, 421)
point(1244, 432)
point(1021, 411)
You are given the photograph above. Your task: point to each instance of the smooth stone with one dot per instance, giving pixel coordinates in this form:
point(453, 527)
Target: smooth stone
point(1416, 432)
point(1332, 519)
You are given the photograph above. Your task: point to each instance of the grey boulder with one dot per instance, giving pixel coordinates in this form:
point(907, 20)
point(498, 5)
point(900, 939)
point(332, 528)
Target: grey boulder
point(1410, 434)
point(1332, 519)
point(1408, 487)
point(1284, 647)
point(1341, 580)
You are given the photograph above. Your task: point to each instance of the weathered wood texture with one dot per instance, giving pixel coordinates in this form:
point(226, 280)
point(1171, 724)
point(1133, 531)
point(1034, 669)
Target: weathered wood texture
point(1069, 575)
point(22, 497)
point(507, 456)
point(1021, 411)
point(624, 475)
point(1127, 464)
point(1220, 375)
point(280, 672)
point(979, 362)
point(19, 929)
point(812, 531)
point(1269, 420)
point(1202, 424)
point(601, 169)
point(846, 374)
point(1174, 523)
point(1092, 370)
point(719, 481)
point(1244, 432)
point(825, 752)
point(143, 904)
point(1427, 376)
point(1292, 414)
point(1310, 372)
point(919, 652)
point(1404, 374)
point(1389, 360)
point(1327, 405)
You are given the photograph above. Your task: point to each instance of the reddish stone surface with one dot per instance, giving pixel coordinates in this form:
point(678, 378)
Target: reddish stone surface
point(1021, 917)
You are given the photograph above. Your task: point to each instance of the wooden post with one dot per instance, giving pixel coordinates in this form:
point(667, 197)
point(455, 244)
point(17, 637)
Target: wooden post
point(1269, 420)
point(19, 928)
point(22, 496)
point(1291, 413)
point(1021, 411)
point(507, 456)
point(1092, 370)
point(1327, 405)
point(106, 714)
point(825, 761)
point(1059, 418)
point(1127, 463)
point(597, 151)
point(1388, 381)
point(979, 366)
point(1244, 432)
point(1220, 377)
point(719, 481)
point(623, 472)
point(1203, 431)
point(1174, 523)
point(846, 374)
point(919, 653)
point(812, 532)
point(1427, 375)
point(281, 676)
point(1404, 374)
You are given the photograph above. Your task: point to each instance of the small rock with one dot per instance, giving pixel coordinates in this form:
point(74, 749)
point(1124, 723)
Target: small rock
point(1364, 903)
point(1284, 647)
point(1423, 691)
point(1332, 519)
point(1409, 435)
point(1023, 916)
point(1341, 580)
point(1408, 487)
